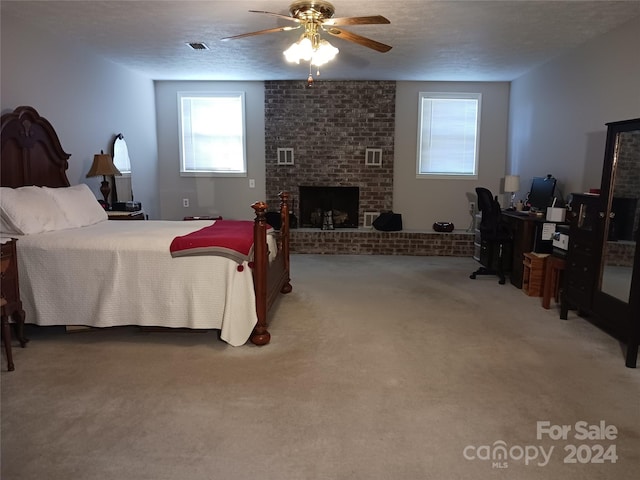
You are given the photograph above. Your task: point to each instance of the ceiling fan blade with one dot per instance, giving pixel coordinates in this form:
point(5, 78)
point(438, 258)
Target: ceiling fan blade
point(286, 17)
point(260, 32)
point(364, 41)
point(372, 20)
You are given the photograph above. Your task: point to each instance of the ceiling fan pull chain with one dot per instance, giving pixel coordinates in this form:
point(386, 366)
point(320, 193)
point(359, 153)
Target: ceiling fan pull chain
point(309, 78)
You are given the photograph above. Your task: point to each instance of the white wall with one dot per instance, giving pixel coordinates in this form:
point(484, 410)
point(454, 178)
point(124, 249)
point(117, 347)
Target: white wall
point(421, 202)
point(229, 197)
point(559, 110)
point(555, 116)
point(425, 201)
point(87, 99)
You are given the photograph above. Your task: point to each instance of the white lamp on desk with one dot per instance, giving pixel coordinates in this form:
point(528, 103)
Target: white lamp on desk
point(512, 185)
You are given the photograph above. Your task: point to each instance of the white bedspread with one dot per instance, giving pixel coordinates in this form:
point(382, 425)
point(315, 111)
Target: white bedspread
point(122, 273)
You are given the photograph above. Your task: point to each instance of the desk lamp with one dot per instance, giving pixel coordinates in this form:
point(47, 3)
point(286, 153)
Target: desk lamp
point(512, 185)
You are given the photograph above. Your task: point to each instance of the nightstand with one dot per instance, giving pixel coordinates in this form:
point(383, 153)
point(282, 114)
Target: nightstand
point(114, 215)
point(11, 306)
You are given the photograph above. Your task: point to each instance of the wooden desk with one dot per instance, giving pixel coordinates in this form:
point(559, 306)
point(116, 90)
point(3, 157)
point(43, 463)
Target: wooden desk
point(526, 231)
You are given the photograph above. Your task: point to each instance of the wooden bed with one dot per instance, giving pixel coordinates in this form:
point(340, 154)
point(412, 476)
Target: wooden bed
point(32, 155)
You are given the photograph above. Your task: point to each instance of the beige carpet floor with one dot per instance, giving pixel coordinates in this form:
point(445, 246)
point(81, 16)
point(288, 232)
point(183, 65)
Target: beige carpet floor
point(380, 367)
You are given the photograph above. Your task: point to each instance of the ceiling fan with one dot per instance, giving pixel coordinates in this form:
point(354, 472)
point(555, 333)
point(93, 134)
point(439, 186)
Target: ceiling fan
point(316, 16)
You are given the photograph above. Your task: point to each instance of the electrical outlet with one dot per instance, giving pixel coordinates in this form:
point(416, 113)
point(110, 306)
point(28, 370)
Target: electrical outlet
point(185, 202)
point(252, 183)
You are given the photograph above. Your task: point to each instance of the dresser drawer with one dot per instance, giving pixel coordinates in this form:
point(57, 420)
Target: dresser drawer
point(581, 247)
point(580, 273)
point(579, 267)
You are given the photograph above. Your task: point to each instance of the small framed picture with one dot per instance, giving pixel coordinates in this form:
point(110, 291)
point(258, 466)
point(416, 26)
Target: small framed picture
point(369, 217)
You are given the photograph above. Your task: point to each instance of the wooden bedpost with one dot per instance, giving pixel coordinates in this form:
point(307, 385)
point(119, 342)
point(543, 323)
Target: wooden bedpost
point(270, 278)
point(260, 335)
point(284, 235)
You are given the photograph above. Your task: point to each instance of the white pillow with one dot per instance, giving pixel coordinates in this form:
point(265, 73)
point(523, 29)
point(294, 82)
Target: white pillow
point(6, 228)
point(29, 210)
point(79, 205)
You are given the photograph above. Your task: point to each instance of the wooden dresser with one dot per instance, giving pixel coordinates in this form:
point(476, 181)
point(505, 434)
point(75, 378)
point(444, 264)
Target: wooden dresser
point(10, 298)
point(582, 258)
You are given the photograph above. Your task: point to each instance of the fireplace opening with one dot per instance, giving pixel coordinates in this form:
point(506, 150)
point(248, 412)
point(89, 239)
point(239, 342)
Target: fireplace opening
point(329, 207)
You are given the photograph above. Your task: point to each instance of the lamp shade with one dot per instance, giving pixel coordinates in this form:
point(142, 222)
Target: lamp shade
point(102, 165)
point(511, 183)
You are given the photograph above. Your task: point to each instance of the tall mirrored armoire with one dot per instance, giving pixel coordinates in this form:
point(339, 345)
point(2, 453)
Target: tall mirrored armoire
point(602, 275)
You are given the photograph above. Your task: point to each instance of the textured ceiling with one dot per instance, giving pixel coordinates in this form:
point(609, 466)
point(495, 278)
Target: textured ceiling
point(432, 40)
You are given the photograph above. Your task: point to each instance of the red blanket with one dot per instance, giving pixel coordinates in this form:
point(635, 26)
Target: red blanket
point(228, 238)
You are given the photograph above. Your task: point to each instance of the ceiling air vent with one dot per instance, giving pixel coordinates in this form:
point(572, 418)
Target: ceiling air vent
point(198, 46)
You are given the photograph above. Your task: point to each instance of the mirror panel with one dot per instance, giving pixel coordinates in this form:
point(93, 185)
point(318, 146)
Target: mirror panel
point(121, 154)
point(623, 217)
point(122, 190)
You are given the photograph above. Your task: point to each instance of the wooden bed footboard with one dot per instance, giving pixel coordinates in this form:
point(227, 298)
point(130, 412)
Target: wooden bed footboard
point(269, 278)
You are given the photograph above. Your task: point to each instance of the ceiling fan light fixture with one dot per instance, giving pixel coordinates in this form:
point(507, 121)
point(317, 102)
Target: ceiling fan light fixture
point(316, 16)
point(318, 52)
point(300, 50)
point(324, 53)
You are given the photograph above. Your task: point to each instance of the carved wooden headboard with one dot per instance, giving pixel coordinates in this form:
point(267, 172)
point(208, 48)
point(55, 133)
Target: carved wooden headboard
point(31, 152)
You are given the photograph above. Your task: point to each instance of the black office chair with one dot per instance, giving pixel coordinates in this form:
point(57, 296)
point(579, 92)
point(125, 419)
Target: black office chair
point(496, 240)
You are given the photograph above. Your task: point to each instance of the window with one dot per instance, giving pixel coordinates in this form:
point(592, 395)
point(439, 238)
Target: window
point(212, 134)
point(448, 133)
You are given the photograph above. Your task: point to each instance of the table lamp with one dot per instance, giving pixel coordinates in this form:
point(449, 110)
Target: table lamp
point(103, 165)
point(512, 185)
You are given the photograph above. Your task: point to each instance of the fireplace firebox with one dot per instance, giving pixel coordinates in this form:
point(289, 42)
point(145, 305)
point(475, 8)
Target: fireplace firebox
point(329, 207)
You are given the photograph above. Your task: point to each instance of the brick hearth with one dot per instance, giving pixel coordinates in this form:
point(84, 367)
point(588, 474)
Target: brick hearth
point(373, 242)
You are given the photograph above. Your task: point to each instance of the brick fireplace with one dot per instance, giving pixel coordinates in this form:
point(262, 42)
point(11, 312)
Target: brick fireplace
point(329, 128)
